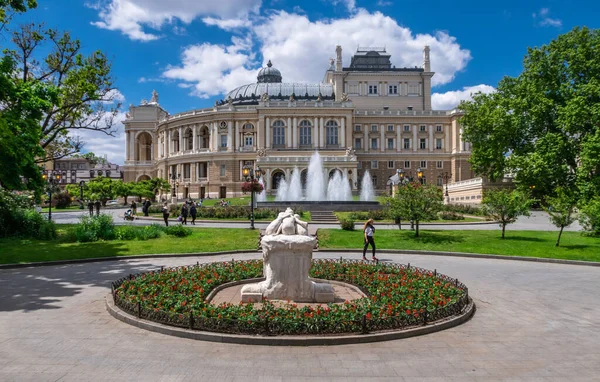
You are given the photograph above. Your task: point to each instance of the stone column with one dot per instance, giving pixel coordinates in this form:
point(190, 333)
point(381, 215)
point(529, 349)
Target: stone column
point(195, 138)
point(229, 136)
point(367, 144)
point(398, 137)
point(315, 135)
point(268, 133)
point(127, 153)
point(343, 133)
point(268, 183)
point(415, 143)
point(289, 134)
point(259, 133)
point(167, 135)
point(321, 133)
point(295, 133)
point(431, 143)
point(238, 142)
point(382, 142)
point(181, 148)
point(215, 137)
point(132, 145)
point(447, 146)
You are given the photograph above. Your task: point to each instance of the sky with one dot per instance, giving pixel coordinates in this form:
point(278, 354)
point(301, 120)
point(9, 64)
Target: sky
point(192, 52)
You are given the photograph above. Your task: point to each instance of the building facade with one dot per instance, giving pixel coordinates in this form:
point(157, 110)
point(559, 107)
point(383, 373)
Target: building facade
point(367, 116)
point(73, 170)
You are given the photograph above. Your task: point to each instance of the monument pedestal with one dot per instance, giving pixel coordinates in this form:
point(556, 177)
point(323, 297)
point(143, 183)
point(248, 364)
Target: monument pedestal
point(287, 261)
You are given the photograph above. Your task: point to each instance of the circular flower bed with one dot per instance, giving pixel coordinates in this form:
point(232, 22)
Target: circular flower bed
point(399, 296)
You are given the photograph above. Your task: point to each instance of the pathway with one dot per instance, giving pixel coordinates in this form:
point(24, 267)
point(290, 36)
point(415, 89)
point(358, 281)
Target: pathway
point(534, 321)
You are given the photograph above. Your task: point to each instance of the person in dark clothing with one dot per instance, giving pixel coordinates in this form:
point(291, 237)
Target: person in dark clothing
point(165, 211)
point(147, 205)
point(184, 213)
point(134, 207)
point(91, 208)
point(97, 204)
point(369, 231)
point(193, 213)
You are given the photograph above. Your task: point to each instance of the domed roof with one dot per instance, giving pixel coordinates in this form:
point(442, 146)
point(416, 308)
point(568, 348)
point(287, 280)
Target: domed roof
point(269, 74)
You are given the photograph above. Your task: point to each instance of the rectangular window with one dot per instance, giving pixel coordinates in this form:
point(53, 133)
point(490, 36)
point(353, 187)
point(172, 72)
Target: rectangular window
point(223, 170)
point(353, 88)
point(372, 89)
point(439, 164)
point(423, 143)
point(406, 164)
point(390, 164)
point(423, 164)
point(373, 128)
point(414, 89)
point(393, 89)
point(390, 128)
point(438, 143)
point(373, 143)
point(390, 143)
point(223, 140)
point(249, 140)
point(374, 164)
point(357, 143)
point(406, 143)
point(440, 181)
point(357, 128)
point(186, 170)
point(406, 127)
point(422, 128)
point(439, 128)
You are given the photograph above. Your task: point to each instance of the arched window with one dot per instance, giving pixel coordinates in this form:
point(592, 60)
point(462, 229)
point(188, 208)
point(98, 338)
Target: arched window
point(305, 133)
point(175, 138)
point(332, 133)
point(277, 177)
point(188, 137)
point(248, 126)
point(278, 133)
point(203, 137)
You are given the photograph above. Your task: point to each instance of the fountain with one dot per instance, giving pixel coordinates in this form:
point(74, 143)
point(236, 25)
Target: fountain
point(338, 188)
point(367, 193)
point(262, 196)
point(295, 186)
point(315, 180)
point(282, 190)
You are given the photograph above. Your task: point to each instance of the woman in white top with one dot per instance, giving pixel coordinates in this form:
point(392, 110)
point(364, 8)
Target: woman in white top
point(369, 231)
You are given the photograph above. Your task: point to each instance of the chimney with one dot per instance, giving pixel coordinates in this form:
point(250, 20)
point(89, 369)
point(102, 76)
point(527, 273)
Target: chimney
point(426, 62)
point(338, 61)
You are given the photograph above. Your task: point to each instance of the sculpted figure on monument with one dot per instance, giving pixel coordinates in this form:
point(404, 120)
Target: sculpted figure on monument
point(287, 223)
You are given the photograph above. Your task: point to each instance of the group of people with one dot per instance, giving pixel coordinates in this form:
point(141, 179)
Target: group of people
point(188, 209)
point(91, 206)
point(145, 207)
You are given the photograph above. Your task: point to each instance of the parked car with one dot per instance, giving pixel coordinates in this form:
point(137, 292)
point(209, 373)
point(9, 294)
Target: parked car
point(112, 203)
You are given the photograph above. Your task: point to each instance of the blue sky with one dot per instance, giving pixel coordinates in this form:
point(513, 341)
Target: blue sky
point(193, 51)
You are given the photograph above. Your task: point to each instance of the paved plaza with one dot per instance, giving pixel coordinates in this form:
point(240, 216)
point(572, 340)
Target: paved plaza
point(534, 321)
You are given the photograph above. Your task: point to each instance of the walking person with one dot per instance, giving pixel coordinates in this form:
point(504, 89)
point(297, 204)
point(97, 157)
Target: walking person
point(369, 231)
point(165, 212)
point(147, 205)
point(91, 208)
point(184, 213)
point(98, 204)
point(134, 207)
point(193, 213)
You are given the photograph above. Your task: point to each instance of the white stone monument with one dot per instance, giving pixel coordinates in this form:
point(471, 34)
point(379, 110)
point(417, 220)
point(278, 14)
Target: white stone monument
point(287, 256)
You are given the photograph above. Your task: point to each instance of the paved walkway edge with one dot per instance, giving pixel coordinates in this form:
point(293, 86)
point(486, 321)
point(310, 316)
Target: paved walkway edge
point(287, 340)
point(339, 250)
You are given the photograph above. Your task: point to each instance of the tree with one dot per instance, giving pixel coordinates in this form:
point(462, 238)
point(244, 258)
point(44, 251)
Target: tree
point(158, 185)
point(561, 209)
point(7, 7)
point(416, 202)
point(124, 190)
point(90, 157)
point(543, 126)
point(505, 206)
point(142, 189)
point(102, 189)
point(84, 85)
point(589, 217)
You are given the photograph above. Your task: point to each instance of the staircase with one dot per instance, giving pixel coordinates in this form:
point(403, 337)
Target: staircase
point(323, 217)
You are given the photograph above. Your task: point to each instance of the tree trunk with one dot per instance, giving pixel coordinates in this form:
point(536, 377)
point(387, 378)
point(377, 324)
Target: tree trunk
point(559, 234)
point(503, 229)
point(416, 228)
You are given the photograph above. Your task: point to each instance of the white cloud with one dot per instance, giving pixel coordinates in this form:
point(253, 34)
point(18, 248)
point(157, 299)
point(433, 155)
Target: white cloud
point(227, 24)
point(544, 20)
point(300, 49)
point(102, 144)
point(349, 4)
point(450, 100)
point(115, 95)
point(131, 17)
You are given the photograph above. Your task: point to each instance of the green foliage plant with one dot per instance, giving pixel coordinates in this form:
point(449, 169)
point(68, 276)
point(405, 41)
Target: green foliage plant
point(95, 228)
point(416, 202)
point(589, 217)
point(177, 230)
point(347, 224)
point(505, 206)
point(561, 210)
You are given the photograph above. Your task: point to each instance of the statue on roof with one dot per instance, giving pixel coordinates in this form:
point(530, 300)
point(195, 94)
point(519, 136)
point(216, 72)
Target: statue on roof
point(345, 97)
point(265, 97)
point(154, 98)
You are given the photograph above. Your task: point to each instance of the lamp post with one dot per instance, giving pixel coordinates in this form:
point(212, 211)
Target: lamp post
point(81, 186)
point(446, 177)
point(251, 176)
point(51, 179)
point(420, 175)
point(175, 184)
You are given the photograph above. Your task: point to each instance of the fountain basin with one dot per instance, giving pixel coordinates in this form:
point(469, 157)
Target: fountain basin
point(325, 205)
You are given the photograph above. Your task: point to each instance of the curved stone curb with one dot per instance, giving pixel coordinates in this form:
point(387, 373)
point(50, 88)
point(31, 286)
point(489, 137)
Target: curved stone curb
point(287, 340)
point(466, 254)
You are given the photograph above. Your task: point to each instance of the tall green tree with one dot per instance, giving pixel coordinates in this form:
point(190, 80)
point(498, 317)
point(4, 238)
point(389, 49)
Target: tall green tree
point(505, 206)
point(416, 202)
point(10, 7)
point(561, 210)
point(102, 189)
point(543, 126)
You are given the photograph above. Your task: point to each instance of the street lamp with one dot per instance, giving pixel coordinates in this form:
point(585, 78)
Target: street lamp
point(420, 175)
point(51, 179)
point(81, 185)
point(175, 185)
point(252, 177)
point(446, 177)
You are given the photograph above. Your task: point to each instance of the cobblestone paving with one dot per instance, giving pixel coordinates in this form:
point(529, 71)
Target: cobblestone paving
point(534, 322)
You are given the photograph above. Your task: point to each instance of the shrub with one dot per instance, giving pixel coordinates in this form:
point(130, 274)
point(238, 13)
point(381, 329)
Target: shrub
point(347, 224)
point(378, 214)
point(61, 200)
point(589, 217)
point(95, 228)
point(153, 231)
point(125, 232)
point(177, 231)
point(450, 215)
point(464, 209)
point(358, 215)
point(36, 226)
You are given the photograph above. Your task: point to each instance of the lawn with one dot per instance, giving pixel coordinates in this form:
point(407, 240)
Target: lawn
point(68, 209)
point(201, 240)
point(346, 215)
point(573, 245)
